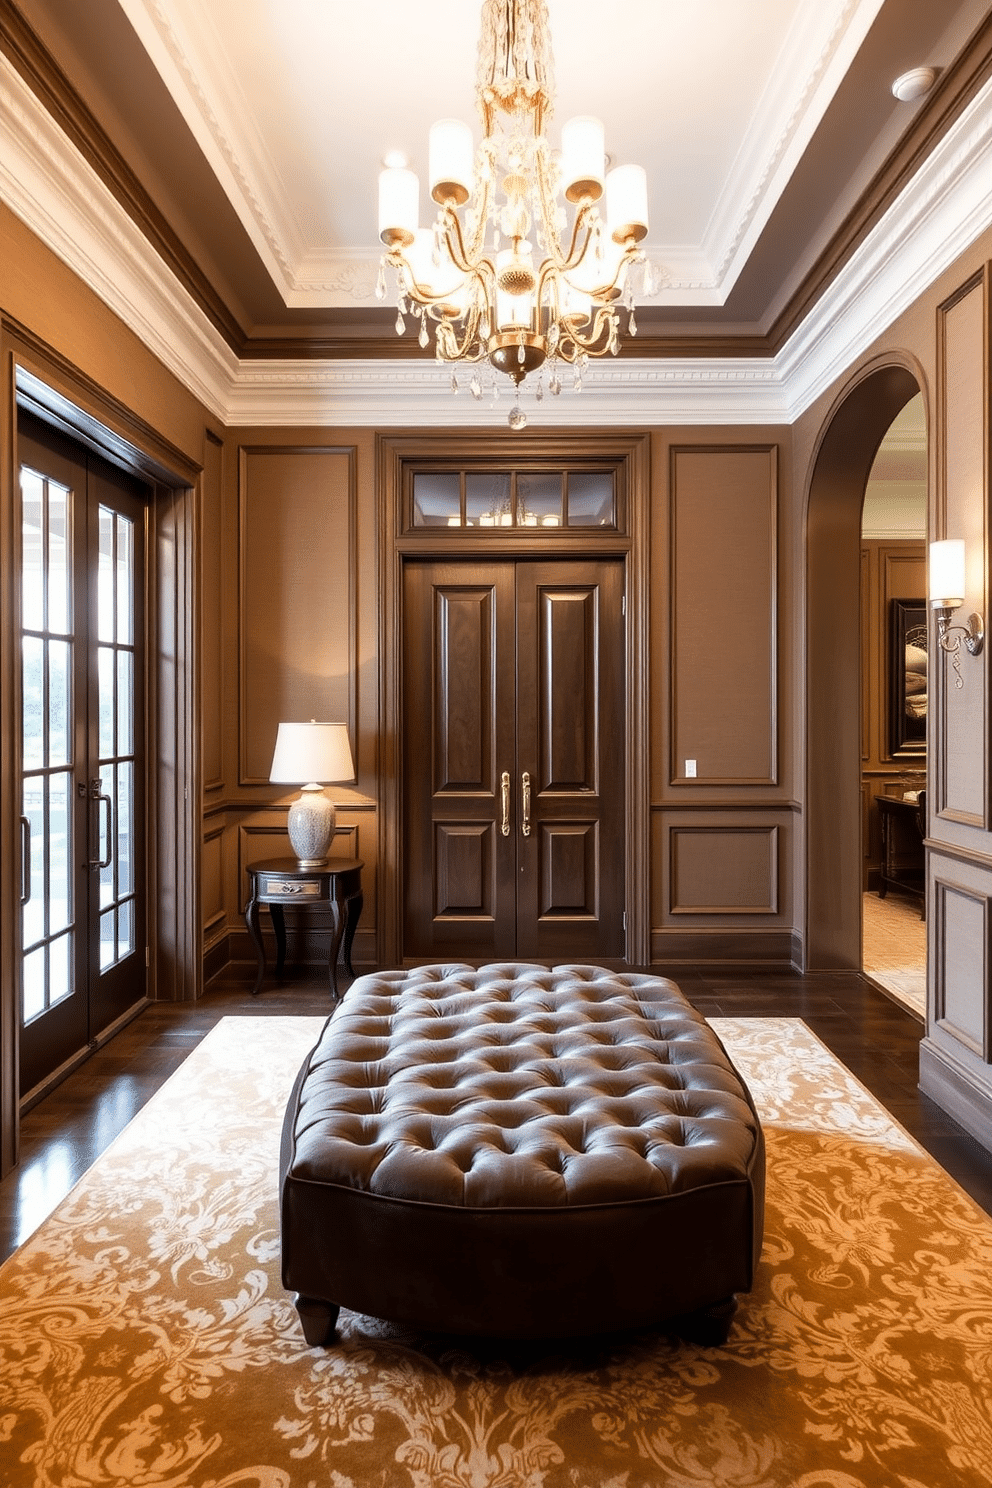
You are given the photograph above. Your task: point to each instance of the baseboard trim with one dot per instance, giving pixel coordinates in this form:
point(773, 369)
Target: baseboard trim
point(762, 949)
point(955, 1090)
point(48, 1084)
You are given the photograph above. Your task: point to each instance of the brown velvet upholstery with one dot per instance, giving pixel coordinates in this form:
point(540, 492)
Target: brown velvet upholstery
point(518, 1151)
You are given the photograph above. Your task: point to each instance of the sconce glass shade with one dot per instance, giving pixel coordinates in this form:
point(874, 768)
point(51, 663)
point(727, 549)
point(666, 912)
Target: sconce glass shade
point(947, 574)
point(312, 755)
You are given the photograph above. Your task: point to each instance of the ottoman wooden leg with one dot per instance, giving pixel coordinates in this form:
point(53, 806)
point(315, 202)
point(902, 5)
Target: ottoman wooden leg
point(709, 1327)
point(319, 1320)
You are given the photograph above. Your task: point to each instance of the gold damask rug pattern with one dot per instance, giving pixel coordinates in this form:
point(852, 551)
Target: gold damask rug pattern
point(145, 1338)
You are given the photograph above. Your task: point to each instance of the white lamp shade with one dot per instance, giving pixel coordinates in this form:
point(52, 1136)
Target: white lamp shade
point(450, 160)
point(434, 272)
point(312, 754)
point(627, 203)
point(947, 573)
point(583, 158)
point(399, 205)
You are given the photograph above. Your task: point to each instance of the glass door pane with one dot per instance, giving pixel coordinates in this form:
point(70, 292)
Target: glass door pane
point(48, 926)
point(115, 794)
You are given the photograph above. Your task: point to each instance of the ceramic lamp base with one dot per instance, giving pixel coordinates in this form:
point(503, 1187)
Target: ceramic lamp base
point(311, 826)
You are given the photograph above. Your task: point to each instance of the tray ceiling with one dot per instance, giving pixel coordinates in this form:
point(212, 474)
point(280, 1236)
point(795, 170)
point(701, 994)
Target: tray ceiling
point(257, 128)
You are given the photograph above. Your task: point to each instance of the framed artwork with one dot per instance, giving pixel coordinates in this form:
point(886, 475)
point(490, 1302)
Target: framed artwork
point(908, 676)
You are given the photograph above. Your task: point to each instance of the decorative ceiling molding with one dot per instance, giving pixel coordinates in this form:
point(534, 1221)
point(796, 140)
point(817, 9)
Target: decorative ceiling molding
point(944, 208)
point(771, 150)
point(625, 393)
point(48, 183)
point(50, 186)
point(184, 43)
point(224, 134)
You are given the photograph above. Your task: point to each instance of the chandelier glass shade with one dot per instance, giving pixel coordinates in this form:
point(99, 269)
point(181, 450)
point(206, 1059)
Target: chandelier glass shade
point(509, 273)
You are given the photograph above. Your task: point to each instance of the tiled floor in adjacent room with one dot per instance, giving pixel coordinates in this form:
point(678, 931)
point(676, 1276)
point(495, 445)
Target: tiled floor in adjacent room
point(894, 948)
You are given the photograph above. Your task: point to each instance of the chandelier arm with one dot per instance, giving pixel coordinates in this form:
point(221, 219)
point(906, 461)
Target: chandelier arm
point(583, 222)
point(463, 260)
point(462, 349)
point(595, 343)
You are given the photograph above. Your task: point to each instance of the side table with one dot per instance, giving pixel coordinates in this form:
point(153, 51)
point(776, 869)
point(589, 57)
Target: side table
point(281, 881)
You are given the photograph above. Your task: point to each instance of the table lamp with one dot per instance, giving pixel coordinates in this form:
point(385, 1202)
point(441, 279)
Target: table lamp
point(320, 754)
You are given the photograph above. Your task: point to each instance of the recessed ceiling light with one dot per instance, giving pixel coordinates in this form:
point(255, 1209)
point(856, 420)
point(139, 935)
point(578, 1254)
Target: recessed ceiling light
point(910, 86)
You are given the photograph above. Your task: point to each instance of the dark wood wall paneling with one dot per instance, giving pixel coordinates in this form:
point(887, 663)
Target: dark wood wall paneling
point(290, 585)
point(722, 839)
point(956, 1056)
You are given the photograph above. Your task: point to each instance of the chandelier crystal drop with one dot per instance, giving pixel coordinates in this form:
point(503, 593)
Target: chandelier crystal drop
point(503, 276)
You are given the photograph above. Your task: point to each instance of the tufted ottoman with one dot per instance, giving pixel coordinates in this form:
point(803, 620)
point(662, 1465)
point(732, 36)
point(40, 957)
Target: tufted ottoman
point(520, 1152)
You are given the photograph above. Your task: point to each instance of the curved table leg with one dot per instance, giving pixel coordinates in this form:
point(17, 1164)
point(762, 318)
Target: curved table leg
point(251, 920)
point(279, 926)
point(353, 909)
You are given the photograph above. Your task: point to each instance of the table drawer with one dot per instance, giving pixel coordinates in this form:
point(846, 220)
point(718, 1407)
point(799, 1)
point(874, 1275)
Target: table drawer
point(289, 888)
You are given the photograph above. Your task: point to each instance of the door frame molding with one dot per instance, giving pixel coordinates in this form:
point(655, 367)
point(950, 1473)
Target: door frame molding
point(36, 377)
point(629, 450)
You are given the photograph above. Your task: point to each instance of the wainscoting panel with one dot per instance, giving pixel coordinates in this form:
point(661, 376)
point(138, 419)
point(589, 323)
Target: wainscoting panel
point(956, 1054)
point(724, 633)
point(298, 563)
point(212, 880)
point(961, 986)
point(723, 871)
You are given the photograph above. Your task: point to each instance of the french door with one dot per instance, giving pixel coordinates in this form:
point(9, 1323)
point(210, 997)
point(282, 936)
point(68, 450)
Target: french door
point(82, 823)
point(513, 748)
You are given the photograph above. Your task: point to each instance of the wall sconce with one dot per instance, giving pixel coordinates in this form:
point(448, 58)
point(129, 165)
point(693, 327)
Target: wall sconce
point(947, 595)
point(320, 754)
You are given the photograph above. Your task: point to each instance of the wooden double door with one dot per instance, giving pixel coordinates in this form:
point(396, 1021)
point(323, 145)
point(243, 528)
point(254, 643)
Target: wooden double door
point(514, 760)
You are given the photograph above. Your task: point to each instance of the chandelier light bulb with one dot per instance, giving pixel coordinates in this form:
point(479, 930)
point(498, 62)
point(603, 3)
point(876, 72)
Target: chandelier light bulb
point(451, 153)
point(627, 203)
point(399, 206)
point(583, 158)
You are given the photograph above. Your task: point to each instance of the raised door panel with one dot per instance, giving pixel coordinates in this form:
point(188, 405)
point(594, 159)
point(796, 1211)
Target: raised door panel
point(570, 674)
point(458, 741)
point(465, 635)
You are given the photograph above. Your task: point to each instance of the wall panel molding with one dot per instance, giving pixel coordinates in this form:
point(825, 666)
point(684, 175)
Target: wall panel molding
point(297, 614)
point(723, 870)
point(962, 770)
point(961, 986)
point(724, 642)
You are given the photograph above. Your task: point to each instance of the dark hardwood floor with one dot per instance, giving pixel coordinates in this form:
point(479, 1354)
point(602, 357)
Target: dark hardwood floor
point(66, 1132)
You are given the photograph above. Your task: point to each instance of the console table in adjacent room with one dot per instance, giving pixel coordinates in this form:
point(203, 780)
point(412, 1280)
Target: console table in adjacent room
point(902, 865)
point(283, 881)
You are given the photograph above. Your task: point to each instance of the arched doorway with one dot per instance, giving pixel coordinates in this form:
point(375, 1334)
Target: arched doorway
point(852, 434)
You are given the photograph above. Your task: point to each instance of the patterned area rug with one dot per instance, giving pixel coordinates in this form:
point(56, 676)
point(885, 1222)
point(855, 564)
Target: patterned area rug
point(145, 1337)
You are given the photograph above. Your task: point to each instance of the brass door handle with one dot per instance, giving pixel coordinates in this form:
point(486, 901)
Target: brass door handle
point(97, 795)
point(505, 793)
point(25, 860)
point(525, 791)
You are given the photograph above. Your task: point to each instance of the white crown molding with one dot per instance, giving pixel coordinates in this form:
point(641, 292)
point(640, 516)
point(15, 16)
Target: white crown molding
point(938, 215)
point(378, 393)
point(224, 132)
point(782, 128)
point(53, 190)
point(45, 181)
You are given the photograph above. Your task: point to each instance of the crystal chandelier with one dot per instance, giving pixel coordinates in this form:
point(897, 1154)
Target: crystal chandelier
point(502, 277)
